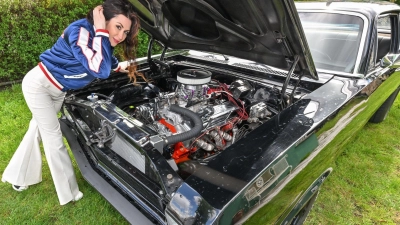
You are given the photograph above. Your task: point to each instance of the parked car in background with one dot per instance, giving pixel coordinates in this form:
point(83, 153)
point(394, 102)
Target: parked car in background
point(247, 108)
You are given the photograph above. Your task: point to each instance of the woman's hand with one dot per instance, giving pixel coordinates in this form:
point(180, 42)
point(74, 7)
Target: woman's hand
point(123, 67)
point(98, 18)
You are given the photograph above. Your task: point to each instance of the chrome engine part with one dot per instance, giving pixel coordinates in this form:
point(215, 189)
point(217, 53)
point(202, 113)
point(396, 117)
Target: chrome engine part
point(258, 111)
point(219, 106)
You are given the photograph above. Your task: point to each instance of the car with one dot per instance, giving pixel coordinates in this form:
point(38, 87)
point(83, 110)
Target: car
point(242, 114)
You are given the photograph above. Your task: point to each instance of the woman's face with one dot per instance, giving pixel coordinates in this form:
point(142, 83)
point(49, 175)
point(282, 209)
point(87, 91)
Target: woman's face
point(118, 28)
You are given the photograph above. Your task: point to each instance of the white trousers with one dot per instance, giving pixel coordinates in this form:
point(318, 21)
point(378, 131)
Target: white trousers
point(25, 168)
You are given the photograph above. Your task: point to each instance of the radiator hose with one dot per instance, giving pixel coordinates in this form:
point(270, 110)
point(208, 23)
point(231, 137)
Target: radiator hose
point(195, 131)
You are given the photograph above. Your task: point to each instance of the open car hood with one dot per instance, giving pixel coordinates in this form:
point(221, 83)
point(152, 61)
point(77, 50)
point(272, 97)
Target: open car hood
point(267, 31)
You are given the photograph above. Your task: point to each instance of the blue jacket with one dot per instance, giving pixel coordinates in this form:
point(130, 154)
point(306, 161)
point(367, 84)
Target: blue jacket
point(80, 55)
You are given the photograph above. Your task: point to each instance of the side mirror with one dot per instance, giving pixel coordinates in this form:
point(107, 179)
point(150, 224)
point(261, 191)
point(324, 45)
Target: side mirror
point(390, 60)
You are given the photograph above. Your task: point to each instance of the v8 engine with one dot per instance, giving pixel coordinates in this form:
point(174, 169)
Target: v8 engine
point(200, 117)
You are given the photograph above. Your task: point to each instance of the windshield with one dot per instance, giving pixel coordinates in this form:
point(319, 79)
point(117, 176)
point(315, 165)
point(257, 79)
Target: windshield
point(334, 39)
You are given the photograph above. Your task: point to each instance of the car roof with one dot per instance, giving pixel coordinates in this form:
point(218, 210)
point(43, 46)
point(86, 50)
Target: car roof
point(366, 8)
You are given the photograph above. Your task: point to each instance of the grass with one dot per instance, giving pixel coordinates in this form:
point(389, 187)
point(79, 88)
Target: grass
point(362, 189)
point(364, 186)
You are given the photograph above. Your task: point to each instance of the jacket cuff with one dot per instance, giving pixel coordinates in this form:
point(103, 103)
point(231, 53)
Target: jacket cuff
point(117, 69)
point(102, 32)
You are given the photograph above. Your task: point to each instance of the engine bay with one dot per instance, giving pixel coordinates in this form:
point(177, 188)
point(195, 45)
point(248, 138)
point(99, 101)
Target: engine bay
point(195, 112)
point(226, 113)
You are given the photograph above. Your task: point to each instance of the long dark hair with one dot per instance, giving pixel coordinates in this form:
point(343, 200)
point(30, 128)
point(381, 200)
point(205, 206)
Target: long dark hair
point(112, 8)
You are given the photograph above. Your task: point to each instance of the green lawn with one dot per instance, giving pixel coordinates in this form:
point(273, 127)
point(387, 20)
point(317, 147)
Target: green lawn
point(363, 188)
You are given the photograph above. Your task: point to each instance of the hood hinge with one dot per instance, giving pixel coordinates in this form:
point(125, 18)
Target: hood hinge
point(289, 75)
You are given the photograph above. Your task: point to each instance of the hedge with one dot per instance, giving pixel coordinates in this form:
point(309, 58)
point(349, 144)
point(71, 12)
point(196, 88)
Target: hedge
point(27, 28)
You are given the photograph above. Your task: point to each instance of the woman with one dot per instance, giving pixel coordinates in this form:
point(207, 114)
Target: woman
point(83, 53)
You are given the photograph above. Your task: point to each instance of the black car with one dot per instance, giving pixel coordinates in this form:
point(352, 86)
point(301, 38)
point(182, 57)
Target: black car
point(247, 108)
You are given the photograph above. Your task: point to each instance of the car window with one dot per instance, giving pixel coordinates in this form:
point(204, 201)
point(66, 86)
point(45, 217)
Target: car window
point(384, 23)
point(334, 39)
point(383, 37)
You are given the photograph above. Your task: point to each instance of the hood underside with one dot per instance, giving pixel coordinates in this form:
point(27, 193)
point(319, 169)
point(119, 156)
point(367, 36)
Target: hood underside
point(267, 31)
